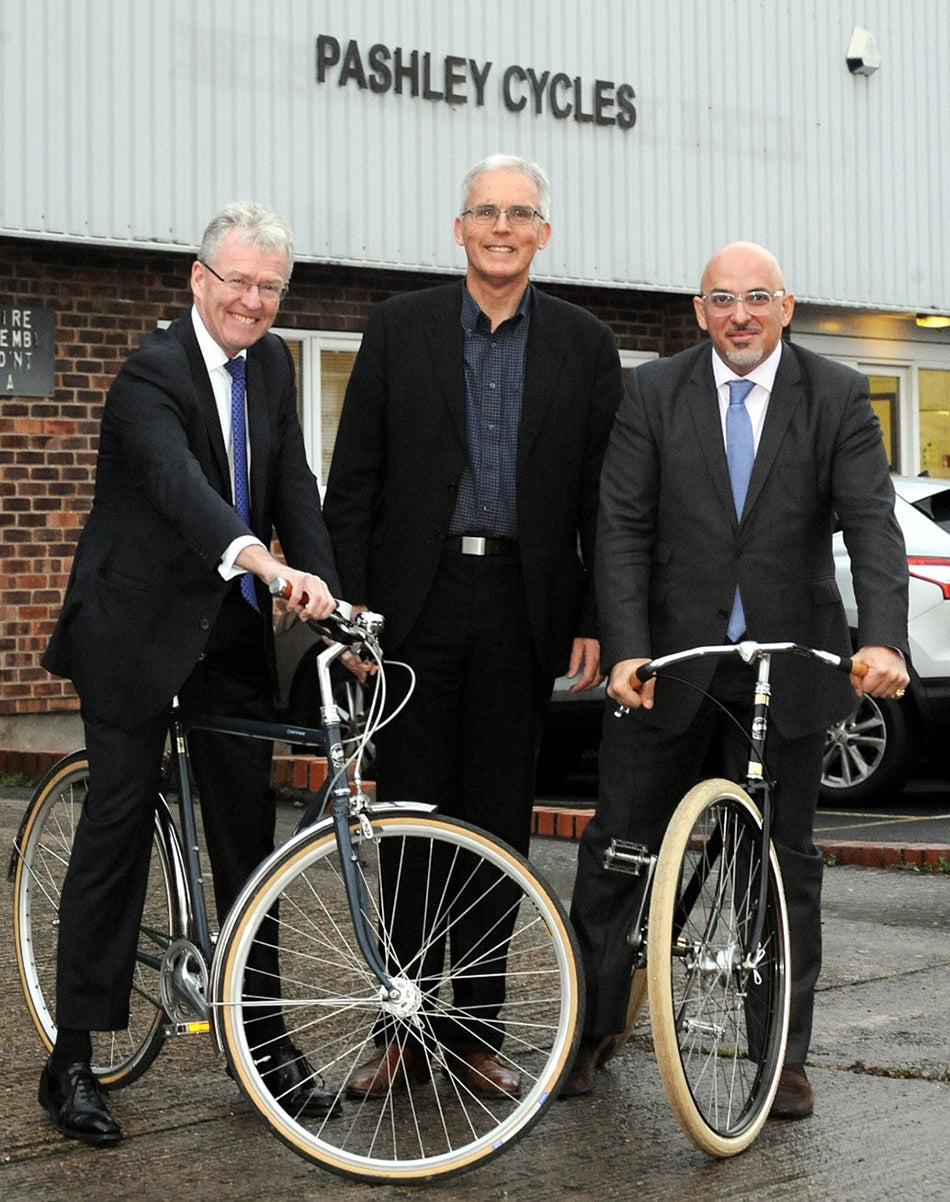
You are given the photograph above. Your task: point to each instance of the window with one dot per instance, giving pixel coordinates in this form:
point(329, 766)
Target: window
point(323, 362)
point(935, 422)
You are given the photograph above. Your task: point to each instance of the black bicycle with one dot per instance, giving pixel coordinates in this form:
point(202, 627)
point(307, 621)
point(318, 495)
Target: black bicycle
point(322, 898)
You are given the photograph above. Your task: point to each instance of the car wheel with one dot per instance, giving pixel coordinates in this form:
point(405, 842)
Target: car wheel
point(869, 755)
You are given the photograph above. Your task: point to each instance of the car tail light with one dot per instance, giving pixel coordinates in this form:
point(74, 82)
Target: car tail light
point(933, 562)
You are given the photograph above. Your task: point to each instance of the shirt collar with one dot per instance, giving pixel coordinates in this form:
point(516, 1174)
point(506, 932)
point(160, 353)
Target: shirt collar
point(471, 312)
point(763, 373)
point(212, 354)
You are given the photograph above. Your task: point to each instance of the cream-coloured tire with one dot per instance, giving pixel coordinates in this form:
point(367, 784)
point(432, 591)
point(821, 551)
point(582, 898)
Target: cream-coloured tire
point(719, 1017)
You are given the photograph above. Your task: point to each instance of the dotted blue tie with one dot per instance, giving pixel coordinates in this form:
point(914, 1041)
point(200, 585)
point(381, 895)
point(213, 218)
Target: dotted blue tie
point(239, 442)
point(740, 453)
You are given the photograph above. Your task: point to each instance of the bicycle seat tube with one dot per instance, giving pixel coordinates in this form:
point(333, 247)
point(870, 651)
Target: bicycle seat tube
point(198, 909)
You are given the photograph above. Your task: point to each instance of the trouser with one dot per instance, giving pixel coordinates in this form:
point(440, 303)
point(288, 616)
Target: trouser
point(468, 743)
point(104, 889)
point(644, 772)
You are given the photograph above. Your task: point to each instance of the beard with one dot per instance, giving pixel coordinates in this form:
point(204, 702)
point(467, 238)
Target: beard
point(745, 358)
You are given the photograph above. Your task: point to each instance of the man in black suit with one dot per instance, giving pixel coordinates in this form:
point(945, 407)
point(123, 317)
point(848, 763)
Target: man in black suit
point(166, 597)
point(462, 504)
point(676, 568)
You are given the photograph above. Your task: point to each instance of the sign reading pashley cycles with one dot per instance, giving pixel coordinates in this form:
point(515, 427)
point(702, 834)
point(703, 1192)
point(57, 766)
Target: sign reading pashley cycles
point(455, 79)
point(27, 351)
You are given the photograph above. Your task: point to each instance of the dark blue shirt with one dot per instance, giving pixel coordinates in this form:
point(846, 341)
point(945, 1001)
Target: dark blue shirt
point(494, 384)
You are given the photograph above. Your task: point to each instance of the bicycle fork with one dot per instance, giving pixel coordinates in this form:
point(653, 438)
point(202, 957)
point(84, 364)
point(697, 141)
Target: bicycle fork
point(341, 809)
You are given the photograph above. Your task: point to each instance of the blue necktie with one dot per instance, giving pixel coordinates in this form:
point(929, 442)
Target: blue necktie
point(740, 453)
point(239, 442)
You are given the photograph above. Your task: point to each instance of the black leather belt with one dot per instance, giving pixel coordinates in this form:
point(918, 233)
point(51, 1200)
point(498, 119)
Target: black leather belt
point(475, 544)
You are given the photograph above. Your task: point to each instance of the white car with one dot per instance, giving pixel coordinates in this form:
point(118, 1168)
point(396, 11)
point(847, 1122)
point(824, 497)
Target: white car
point(870, 754)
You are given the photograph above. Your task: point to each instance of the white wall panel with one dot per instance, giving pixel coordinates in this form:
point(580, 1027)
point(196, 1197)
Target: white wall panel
point(131, 121)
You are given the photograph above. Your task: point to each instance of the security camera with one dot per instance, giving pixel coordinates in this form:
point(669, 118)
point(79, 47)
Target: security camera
point(863, 57)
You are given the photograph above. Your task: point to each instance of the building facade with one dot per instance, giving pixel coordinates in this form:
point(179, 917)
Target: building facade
point(667, 131)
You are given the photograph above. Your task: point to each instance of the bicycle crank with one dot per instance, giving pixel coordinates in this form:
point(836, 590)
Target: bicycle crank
point(184, 978)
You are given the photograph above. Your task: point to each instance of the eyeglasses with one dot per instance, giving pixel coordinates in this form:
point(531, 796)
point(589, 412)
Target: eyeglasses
point(755, 301)
point(241, 284)
point(489, 214)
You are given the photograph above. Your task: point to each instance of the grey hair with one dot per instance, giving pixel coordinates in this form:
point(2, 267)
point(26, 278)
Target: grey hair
point(260, 226)
point(513, 163)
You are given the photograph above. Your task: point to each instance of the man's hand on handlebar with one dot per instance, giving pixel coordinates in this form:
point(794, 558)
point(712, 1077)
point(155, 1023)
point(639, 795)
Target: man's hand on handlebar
point(624, 686)
point(887, 672)
point(309, 596)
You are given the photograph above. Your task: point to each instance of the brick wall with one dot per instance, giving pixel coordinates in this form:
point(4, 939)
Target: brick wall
point(105, 302)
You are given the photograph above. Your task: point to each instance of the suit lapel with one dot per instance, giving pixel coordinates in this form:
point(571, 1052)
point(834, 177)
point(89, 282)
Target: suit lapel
point(543, 356)
point(704, 410)
point(446, 347)
point(185, 333)
point(786, 395)
point(258, 434)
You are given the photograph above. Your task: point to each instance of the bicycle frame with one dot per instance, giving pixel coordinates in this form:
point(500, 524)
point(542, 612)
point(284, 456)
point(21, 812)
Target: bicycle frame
point(342, 807)
point(758, 785)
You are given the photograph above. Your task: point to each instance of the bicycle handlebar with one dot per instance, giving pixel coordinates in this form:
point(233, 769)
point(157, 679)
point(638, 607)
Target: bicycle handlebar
point(749, 651)
point(342, 626)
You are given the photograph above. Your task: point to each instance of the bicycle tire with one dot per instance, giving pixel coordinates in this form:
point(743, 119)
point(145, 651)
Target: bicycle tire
point(719, 1027)
point(331, 999)
point(40, 859)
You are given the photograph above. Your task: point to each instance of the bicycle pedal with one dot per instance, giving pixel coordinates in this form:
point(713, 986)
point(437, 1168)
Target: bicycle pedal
point(624, 856)
point(198, 1027)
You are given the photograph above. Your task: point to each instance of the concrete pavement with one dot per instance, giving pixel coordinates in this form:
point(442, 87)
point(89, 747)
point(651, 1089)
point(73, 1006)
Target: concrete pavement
point(880, 1064)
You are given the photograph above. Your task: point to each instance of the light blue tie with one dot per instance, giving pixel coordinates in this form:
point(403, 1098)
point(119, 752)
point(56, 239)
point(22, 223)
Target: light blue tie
point(740, 454)
point(239, 442)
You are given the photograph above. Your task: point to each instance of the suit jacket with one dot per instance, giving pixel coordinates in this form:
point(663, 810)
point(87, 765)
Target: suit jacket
point(671, 549)
point(401, 449)
point(144, 591)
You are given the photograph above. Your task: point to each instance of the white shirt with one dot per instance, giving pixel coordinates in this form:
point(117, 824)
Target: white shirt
point(215, 360)
point(757, 401)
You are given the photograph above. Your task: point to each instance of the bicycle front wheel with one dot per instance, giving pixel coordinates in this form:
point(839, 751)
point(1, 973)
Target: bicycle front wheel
point(719, 1012)
point(428, 876)
point(40, 859)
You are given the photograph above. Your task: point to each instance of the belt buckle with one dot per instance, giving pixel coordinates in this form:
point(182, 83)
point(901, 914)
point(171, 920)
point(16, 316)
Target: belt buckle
point(473, 544)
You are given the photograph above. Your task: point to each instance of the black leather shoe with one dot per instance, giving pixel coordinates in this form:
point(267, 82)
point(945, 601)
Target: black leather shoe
point(71, 1097)
point(295, 1086)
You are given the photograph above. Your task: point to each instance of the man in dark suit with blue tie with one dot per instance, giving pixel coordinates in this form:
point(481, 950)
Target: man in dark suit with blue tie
point(167, 596)
point(729, 468)
point(462, 504)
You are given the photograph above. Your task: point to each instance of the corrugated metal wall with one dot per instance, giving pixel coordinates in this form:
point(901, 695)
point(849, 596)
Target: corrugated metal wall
point(131, 122)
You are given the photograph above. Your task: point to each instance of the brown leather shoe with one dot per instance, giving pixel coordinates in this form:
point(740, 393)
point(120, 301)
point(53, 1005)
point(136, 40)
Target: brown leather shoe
point(591, 1055)
point(389, 1071)
point(484, 1074)
point(794, 1098)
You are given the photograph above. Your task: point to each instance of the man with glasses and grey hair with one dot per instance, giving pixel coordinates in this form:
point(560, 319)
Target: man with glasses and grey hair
point(200, 460)
point(461, 503)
